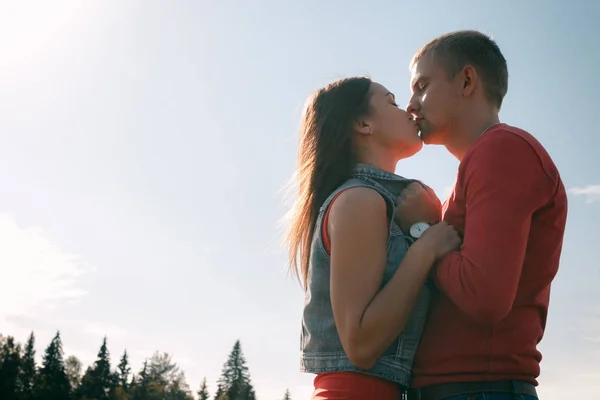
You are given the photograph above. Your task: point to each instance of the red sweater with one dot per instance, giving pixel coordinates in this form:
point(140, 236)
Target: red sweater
point(510, 205)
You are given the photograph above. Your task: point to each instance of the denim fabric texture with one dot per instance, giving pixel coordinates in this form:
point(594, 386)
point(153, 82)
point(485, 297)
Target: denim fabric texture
point(320, 346)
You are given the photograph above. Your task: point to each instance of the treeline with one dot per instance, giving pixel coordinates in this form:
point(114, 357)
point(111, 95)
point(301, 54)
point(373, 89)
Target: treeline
point(63, 379)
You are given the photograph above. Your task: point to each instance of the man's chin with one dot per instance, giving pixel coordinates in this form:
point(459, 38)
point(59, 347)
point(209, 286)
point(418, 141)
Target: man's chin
point(424, 137)
point(428, 138)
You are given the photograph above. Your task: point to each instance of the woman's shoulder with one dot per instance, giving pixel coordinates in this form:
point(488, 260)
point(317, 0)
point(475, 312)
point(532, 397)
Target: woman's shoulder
point(356, 200)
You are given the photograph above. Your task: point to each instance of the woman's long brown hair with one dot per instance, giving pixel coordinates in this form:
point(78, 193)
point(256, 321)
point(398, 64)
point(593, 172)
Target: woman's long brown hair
point(326, 159)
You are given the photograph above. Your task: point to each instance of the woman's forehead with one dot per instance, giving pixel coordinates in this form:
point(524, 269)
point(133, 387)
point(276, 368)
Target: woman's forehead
point(380, 90)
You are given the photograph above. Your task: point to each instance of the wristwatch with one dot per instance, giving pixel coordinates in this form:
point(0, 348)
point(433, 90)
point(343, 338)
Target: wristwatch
point(417, 229)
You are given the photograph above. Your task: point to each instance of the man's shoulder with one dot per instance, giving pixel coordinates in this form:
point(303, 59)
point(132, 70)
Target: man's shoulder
point(504, 143)
point(504, 134)
point(507, 138)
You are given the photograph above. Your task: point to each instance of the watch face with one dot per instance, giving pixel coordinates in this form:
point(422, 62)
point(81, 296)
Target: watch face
point(416, 230)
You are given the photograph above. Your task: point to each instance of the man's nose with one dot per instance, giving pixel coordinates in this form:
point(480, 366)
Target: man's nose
point(413, 106)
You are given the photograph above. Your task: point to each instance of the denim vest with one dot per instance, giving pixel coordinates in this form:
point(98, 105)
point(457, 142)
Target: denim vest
point(321, 349)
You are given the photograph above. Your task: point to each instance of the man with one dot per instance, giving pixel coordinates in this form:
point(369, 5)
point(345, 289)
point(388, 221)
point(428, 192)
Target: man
point(510, 206)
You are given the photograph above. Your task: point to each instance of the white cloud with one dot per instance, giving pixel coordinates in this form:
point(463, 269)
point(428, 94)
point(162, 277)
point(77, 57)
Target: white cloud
point(590, 192)
point(36, 271)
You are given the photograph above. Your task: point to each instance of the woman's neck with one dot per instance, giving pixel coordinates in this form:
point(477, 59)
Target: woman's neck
point(381, 161)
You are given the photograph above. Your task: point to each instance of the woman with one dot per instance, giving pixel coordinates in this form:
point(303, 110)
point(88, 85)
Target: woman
point(366, 297)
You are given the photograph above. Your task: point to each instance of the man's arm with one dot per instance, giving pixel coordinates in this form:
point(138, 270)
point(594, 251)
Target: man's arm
point(504, 183)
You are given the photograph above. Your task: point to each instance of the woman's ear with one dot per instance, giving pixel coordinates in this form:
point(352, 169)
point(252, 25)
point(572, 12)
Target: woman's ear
point(363, 126)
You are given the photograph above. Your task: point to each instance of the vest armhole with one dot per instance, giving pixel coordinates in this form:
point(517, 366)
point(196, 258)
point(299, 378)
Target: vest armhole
point(325, 233)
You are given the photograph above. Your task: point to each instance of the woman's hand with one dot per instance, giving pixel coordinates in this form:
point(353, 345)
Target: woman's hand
point(417, 203)
point(440, 239)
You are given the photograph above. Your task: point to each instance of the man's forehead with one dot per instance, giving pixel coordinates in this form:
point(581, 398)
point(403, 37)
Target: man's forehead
point(422, 68)
point(416, 73)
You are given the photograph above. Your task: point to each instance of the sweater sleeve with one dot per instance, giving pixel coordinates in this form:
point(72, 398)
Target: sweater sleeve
point(504, 184)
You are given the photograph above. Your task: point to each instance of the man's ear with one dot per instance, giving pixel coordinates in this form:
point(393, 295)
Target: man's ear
point(469, 80)
point(363, 126)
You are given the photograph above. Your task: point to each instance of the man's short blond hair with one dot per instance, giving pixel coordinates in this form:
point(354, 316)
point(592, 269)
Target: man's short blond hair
point(457, 49)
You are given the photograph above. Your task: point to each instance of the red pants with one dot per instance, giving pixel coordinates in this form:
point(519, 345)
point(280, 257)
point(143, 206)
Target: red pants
point(354, 386)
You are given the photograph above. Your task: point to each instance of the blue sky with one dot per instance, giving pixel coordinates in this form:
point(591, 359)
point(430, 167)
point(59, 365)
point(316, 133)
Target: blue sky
point(145, 147)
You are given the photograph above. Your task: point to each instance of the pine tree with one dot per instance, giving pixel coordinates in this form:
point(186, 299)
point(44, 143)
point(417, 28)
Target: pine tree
point(102, 368)
point(98, 381)
point(27, 372)
point(203, 392)
point(287, 395)
point(249, 393)
point(124, 371)
point(235, 378)
point(53, 382)
point(159, 379)
point(139, 386)
point(10, 362)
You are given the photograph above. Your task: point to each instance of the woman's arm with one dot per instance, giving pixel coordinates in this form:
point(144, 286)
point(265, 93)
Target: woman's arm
point(368, 320)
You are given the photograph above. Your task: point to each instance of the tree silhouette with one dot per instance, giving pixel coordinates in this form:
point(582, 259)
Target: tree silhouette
point(203, 392)
point(124, 371)
point(159, 379)
point(167, 378)
point(10, 361)
point(73, 370)
point(27, 372)
point(52, 382)
point(98, 380)
point(235, 378)
point(139, 386)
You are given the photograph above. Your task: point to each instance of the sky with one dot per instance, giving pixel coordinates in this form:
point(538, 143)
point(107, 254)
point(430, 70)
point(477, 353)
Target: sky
point(145, 147)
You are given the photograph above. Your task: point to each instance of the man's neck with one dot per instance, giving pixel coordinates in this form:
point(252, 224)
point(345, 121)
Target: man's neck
point(468, 133)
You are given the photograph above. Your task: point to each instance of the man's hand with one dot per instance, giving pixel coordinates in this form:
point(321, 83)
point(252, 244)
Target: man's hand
point(417, 203)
